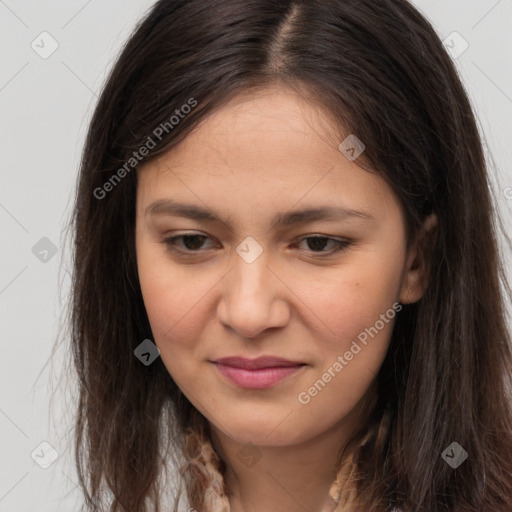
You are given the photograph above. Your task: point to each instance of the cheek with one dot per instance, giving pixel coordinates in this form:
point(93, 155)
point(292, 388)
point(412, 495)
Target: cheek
point(352, 314)
point(342, 303)
point(177, 314)
point(175, 300)
point(348, 356)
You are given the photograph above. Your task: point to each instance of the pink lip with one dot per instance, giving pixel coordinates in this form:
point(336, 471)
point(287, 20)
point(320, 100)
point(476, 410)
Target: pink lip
point(259, 373)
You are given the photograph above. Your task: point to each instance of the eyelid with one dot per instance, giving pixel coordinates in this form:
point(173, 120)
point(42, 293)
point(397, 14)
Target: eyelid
point(169, 241)
point(341, 243)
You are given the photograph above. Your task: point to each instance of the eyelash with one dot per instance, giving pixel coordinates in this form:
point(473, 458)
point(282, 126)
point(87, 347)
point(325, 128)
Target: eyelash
point(170, 244)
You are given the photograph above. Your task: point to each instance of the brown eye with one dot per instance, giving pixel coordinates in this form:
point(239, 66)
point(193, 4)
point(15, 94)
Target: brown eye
point(192, 242)
point(317, 244)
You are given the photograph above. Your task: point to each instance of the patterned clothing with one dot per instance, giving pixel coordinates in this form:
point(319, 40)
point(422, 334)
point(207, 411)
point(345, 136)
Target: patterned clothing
point(203, 459)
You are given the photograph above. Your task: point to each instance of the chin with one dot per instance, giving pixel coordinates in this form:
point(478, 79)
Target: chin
point(262, 432)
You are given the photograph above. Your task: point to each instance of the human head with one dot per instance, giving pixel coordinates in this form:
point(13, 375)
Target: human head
point(380, 70)
point(266, 154)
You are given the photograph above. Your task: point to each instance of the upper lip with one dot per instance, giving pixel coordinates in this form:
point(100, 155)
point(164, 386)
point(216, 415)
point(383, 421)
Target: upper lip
point(259, 362)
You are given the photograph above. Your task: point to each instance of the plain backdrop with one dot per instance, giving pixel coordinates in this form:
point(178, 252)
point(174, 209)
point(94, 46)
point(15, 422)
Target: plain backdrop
point(45, 104)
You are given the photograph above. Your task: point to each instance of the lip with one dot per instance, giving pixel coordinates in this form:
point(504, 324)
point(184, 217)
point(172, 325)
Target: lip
point(255, 364)
point(262, 372)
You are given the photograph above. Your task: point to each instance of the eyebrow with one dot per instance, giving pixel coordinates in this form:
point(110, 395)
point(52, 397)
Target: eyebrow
point(289, 218)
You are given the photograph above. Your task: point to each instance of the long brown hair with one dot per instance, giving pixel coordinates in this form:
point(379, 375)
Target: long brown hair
point(381, 71)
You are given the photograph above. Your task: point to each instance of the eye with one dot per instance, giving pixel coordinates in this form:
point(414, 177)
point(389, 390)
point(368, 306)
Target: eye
point(192, 243)
point(317, 243)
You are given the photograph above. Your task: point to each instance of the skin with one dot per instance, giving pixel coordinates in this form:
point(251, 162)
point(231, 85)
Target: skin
point(261, 154)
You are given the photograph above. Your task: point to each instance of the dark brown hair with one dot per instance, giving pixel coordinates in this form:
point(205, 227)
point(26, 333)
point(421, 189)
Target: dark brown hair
point(378, 68)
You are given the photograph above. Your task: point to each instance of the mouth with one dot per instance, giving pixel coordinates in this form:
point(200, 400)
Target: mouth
point(260, 373)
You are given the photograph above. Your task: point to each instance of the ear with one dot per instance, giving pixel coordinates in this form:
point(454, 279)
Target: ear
point(416, 272)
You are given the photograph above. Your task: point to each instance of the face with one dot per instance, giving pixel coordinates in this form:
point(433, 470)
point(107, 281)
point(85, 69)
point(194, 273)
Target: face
point(228, 267)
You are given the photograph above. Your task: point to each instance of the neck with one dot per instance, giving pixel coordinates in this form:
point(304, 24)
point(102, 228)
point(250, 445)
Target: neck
point(286, 477)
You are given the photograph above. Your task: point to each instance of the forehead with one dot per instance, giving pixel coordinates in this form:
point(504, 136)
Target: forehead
point(264, 150)
point(264, 121)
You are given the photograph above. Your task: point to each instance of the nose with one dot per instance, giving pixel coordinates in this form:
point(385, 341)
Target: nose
point(253, 298)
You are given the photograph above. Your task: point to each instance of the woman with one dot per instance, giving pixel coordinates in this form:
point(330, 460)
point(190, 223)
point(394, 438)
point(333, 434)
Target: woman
point(231, 143)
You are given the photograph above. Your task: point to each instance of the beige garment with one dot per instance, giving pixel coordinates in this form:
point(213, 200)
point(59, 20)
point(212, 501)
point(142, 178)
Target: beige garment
point(202, 457)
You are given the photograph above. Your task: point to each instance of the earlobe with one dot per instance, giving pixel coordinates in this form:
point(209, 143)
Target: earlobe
point(417, 269)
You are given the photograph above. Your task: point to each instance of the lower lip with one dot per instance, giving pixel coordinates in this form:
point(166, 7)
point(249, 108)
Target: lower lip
point(259, 378)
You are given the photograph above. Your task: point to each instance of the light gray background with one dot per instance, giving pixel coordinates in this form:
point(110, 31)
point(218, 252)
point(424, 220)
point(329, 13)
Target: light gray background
point(45, 105)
